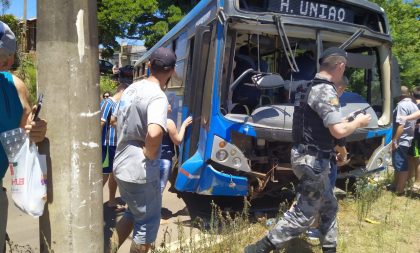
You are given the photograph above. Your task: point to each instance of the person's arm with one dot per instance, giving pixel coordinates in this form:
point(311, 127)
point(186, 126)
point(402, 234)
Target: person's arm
point(413, 116)
point(173, 133)
point(401, 112)
point(35, 128)
point(323, 99)
point(105, 111)
point(157, 111)
point(397, 135)
point(153, 140)
point(113, 119)
point(341, 155)
point(344, 129)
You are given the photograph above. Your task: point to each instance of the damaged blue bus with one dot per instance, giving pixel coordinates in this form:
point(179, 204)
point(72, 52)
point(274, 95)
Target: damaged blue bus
point(239, 63)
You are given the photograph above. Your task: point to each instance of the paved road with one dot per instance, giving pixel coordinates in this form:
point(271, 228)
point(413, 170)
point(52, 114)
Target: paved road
point(23, 229)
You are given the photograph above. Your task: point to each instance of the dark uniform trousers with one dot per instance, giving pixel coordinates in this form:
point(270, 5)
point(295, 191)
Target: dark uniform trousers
point(315, 196)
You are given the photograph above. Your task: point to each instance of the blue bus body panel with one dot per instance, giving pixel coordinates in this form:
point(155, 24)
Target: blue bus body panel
point(213, 182)
point(382, 132)
point(189, 173)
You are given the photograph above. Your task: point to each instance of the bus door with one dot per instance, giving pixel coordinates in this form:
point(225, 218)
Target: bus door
point(196, 72)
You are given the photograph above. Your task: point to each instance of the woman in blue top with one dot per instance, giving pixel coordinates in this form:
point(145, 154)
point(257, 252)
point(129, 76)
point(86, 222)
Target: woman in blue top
point(168, 150)
point(14, 112)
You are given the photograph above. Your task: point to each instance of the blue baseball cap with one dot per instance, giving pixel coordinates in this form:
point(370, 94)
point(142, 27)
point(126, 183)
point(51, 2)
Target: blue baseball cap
point(163, 58)
point(7, 39)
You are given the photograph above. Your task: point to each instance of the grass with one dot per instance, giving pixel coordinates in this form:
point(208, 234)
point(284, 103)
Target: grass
point(370, 219)
point(397, 231)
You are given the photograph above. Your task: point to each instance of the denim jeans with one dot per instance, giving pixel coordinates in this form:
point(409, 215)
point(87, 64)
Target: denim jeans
point(165, 172)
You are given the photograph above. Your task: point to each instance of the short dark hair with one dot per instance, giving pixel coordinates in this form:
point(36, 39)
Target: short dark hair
point(330, 62)
point(416, 92)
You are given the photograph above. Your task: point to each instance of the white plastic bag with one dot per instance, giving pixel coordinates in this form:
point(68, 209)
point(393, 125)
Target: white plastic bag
point(29, 190)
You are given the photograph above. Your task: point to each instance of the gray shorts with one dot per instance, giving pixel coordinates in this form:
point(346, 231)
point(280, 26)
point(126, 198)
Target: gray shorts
point(144, 203)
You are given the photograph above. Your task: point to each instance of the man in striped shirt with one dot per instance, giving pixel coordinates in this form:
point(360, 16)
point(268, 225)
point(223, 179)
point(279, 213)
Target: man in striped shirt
point(109, 143)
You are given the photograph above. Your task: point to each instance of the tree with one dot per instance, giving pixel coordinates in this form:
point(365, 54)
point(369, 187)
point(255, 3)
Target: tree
point(5, 5)
point(13, 23)
point(404, 19)
point(146, 20)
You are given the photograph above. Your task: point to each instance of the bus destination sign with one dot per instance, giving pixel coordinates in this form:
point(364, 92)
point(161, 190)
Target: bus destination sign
point(330, 10)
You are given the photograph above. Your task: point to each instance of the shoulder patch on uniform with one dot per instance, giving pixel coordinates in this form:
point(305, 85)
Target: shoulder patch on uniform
point(334, 101)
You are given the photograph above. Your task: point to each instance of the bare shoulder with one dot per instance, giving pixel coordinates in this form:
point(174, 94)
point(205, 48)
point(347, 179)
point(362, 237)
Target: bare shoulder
point(170, 124)
point(23, 94)
point(20, 86)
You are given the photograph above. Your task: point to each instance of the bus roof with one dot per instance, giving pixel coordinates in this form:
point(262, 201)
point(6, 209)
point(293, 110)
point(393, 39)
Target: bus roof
point(366, 4)
point(203, 4)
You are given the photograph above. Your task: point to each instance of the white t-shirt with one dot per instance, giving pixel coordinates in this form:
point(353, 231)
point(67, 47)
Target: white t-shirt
point(141, 104)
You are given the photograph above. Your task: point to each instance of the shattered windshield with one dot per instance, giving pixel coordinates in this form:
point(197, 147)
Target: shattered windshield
point(263, 53)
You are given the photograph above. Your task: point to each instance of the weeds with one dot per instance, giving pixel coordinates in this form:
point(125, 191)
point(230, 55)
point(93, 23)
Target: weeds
point(392, 227)
point(27, 72)
point(367, 191)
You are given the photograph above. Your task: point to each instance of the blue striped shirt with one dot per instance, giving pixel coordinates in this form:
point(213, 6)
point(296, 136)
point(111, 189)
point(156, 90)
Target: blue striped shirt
point(109, 133)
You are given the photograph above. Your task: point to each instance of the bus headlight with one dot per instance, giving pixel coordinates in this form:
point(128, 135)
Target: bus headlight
point(228, 155)
point(221, 155)
point(236, 162)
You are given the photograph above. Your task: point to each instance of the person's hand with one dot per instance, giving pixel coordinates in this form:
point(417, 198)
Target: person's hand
point(341, 159)
point(36, 128)
point(187, 121)
point(394, 145)
point(363, 119)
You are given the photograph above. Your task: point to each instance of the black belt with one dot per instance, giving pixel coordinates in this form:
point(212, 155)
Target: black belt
point(314, 151)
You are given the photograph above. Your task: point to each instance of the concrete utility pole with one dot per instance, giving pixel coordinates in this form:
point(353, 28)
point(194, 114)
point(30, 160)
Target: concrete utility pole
point(25, 29)
point(68, 75)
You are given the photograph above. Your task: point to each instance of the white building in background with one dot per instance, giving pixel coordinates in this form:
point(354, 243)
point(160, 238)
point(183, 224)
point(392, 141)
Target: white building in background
point(128, 55)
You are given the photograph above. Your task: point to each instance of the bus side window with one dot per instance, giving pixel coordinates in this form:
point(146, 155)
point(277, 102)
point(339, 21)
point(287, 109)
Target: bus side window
point(180, 48)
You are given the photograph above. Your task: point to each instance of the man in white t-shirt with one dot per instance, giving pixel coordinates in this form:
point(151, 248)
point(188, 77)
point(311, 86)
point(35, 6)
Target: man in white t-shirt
point(141, 123)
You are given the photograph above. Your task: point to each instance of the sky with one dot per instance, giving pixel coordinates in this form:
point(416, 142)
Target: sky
point(16, 9)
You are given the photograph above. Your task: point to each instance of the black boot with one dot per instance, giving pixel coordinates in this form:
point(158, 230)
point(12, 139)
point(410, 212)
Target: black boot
point(329, 250)
point(262, 246)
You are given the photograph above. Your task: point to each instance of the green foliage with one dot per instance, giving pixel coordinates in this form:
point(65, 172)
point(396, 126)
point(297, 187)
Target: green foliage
point(404, 19)
point(27, 72)
point(12, 22)
point(106, 84)
point(146, 20)
point(367, 192)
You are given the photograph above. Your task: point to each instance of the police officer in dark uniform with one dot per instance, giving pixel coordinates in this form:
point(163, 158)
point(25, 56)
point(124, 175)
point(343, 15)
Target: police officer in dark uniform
point(317, 124)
